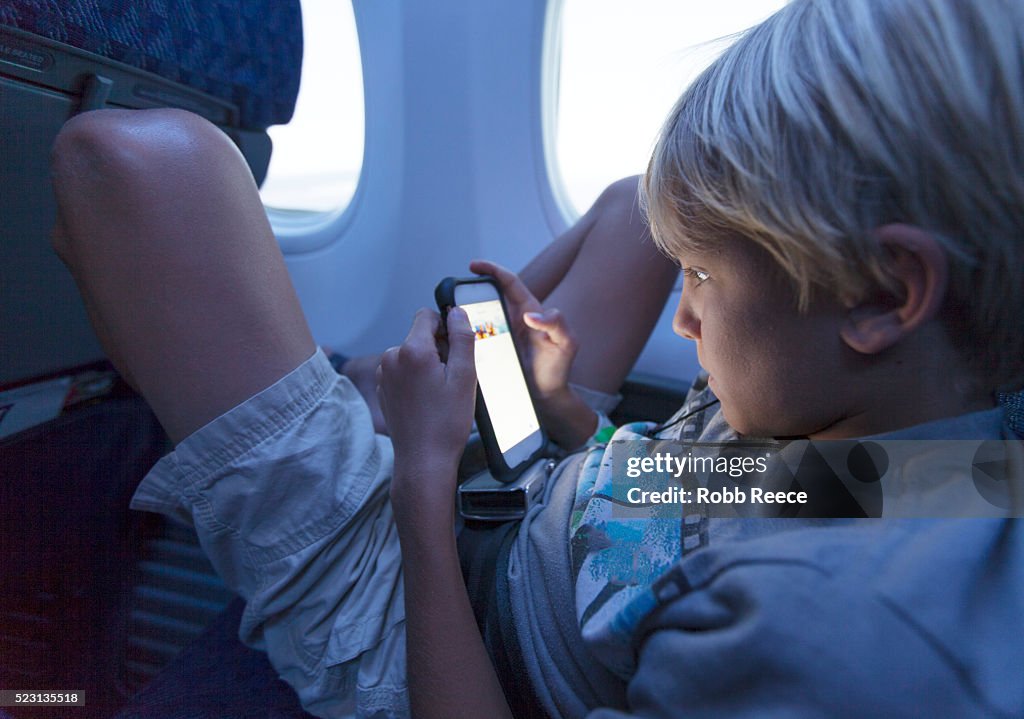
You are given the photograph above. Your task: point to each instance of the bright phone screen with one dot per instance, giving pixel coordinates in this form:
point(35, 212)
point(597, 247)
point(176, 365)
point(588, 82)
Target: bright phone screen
point(500, 376)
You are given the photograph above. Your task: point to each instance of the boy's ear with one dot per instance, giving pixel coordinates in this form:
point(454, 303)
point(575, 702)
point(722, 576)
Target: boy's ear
point(919, 265)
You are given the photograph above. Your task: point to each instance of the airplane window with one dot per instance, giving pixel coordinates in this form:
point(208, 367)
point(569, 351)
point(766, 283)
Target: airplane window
point(621, 67)
point(318, 155)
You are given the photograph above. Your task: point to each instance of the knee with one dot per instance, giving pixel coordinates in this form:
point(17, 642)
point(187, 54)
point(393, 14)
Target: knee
point(117, 144)
point(78, 153)
point(619, 206)
point(621, 193)
point(104, 163)
point(621, 199)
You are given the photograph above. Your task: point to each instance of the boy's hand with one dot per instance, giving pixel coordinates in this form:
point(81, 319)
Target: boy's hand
point(549, 348)
point(428, 404)
point(543, 335)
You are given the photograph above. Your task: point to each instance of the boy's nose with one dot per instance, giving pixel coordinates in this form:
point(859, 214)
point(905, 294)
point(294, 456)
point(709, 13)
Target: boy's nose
point(685, 323)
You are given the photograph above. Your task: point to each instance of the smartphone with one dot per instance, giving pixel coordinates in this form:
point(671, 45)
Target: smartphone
point(511, 432)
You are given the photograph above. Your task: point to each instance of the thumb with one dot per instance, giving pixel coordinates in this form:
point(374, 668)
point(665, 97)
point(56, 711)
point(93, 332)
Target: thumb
point(461, 339)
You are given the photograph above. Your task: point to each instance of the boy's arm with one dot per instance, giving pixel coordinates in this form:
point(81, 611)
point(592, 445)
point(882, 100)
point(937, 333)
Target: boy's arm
point(779, 636)
point(449, 671)
point(428, 405)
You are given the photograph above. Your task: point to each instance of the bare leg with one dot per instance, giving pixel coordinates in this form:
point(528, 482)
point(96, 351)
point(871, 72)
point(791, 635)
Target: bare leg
point(611, 283)
point(362, 371)
point(162, 227)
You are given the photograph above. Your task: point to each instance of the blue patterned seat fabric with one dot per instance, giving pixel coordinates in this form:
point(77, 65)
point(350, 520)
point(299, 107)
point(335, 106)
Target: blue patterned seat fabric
point(1013, 404)
point(248, 52)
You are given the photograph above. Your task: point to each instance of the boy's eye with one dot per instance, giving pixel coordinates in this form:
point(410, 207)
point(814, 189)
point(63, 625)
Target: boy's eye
point(701, 276)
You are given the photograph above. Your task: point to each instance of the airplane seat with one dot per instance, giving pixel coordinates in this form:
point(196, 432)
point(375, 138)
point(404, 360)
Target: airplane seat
point(95, 597)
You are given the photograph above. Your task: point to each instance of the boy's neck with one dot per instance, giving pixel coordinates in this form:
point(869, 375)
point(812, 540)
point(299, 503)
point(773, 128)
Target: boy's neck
point(881, 421)
point(917, 385)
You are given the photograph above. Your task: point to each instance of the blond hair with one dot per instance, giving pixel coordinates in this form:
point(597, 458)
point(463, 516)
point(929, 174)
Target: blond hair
point(835, 117)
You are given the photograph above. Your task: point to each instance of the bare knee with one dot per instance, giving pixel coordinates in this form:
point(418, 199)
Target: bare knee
point(622, 194)
point(107, 164)
point(120, 142)
point(618, 211)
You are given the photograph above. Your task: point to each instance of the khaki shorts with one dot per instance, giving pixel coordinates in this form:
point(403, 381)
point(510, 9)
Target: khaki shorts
point(288, 493)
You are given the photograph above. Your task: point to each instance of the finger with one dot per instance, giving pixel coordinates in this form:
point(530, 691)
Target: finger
point(386, 364)
point(552, 322)
point(388, 359)
point(461, 341)
point(420, 345)
point(441, 338)
point(382, 401)
point(424, 325)
point(511, 285)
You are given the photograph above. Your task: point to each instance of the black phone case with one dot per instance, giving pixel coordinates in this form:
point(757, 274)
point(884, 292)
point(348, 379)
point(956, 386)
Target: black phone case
point(444, 295)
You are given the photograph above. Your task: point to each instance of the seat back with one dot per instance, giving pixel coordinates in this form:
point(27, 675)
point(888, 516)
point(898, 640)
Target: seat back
point(236, 64)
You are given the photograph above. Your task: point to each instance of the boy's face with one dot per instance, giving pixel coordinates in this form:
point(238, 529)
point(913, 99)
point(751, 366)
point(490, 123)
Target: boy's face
point(777, 372)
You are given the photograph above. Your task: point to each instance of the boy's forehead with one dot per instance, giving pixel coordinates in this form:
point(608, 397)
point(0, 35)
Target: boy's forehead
point(712, 249)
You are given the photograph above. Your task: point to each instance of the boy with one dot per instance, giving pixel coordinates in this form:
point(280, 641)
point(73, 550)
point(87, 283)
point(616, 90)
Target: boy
point(842, 190)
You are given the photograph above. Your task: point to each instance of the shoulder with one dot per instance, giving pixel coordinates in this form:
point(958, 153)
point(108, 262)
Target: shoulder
point(848, 621)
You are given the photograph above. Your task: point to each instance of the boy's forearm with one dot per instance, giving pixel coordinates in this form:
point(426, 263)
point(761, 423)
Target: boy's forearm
point(449, 671)
point(567, 418)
